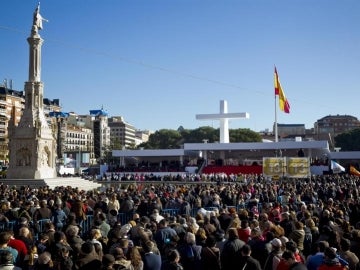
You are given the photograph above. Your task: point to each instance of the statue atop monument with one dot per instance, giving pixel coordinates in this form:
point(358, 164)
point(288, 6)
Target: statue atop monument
point(38, 19)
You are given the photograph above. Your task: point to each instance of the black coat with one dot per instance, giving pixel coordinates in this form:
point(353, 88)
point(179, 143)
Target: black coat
point(248, 263)
point(230, 253)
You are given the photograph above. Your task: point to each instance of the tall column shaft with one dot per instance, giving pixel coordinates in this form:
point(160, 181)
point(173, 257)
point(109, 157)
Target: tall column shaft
point(35, 43)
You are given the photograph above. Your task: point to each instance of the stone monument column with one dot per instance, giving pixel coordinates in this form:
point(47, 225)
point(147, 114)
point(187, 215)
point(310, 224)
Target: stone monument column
point(32, 144)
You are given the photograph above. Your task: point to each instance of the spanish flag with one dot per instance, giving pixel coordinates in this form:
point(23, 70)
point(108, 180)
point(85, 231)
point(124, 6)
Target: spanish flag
point(283, 102)
point(354, 171)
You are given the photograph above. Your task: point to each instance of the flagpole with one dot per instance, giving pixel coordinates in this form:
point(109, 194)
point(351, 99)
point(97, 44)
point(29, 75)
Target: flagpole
point(283, 102)
point(276, 125)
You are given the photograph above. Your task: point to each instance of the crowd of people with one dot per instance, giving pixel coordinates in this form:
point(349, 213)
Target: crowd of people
point(301, 224)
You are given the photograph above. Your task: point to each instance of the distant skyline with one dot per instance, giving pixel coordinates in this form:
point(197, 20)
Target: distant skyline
point(159, 63)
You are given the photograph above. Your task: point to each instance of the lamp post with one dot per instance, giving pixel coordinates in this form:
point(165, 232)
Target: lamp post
point(59, 129)
point(79, 162)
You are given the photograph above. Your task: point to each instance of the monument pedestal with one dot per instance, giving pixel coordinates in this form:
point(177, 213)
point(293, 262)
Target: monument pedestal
point(32, 153)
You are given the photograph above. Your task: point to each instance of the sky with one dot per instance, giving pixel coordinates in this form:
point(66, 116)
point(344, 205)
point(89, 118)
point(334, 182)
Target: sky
point(158, 63)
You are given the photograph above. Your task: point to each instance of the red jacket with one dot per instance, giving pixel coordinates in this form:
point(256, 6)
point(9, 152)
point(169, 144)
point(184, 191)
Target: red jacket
point(19, 246)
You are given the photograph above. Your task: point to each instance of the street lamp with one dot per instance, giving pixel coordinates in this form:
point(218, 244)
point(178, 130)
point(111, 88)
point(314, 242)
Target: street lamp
point(59, 133)
point(79, 162)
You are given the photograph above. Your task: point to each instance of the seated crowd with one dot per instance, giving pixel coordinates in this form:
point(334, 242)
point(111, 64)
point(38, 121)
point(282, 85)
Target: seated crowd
point(256, 224)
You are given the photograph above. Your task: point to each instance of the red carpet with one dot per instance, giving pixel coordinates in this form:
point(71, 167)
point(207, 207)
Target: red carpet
point(233, 169)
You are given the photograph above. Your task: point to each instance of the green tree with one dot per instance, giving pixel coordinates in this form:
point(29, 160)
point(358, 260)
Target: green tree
point(115, 144)
point(171, 139)
point(349, 141)
point(163, 139)
point(244, 135)
point(200, 134)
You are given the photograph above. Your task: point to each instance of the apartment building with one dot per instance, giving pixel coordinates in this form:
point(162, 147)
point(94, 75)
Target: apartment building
point(122, 132)
point(12, 103)
point(330, 126)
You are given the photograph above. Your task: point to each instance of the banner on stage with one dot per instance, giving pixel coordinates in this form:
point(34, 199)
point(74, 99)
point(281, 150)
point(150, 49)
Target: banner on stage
point(298, 167)
point(291, 167)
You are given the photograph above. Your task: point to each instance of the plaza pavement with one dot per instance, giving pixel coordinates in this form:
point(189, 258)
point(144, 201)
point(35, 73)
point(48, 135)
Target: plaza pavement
point(74, 182)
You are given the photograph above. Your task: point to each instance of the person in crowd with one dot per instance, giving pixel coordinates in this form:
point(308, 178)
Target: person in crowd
point(289, 257)
point(151, 259)
point(220, 239)
point(108, 262)
point(231, 247)
point(298, 235)
point(95, 238)
point(135, 257)
point(314, 261)
point(244, 231)
point(201, 237)
point(24, 211)
point(42, 213)
point(291, 247)
point(120, 259)
point(210, 254)
point(258, 246)
point(190, 253)
point(331, 260)
point(172, 261)
point(225, 219)
point(274, 258)
point(44, 262)
point(163, 234)
point(88, 258)
point(58, 217)
point(208, 226)
point(245, 261)
point(127, 204)
point(26, 236)
point(5, 238)
point(138, 233)
point(347, 255)
point(19, 245)
point(79, 211)
point(31, 258)
point(102, 224)
point(193, 226)
point(113, 203)
point(7, 261)
point(156, 216)
point(63, 259)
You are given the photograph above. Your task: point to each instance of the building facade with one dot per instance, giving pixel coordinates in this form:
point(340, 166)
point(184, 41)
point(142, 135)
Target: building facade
point(79, 147)
point(101, 132)
point(330, 126)
point(289, 131)
point(12, 104)
point(142, 136)
point(51, 106)
point(122, 132)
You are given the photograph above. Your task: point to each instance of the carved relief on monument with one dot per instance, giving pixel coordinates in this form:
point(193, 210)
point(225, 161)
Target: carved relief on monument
point(45, 156)
point(23, 157)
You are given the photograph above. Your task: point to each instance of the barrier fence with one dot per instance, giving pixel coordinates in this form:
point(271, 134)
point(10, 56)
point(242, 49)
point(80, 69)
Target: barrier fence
point(123, 218)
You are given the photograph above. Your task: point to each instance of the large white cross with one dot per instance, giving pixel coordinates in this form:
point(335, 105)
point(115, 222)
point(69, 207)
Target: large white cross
point(224, 117)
